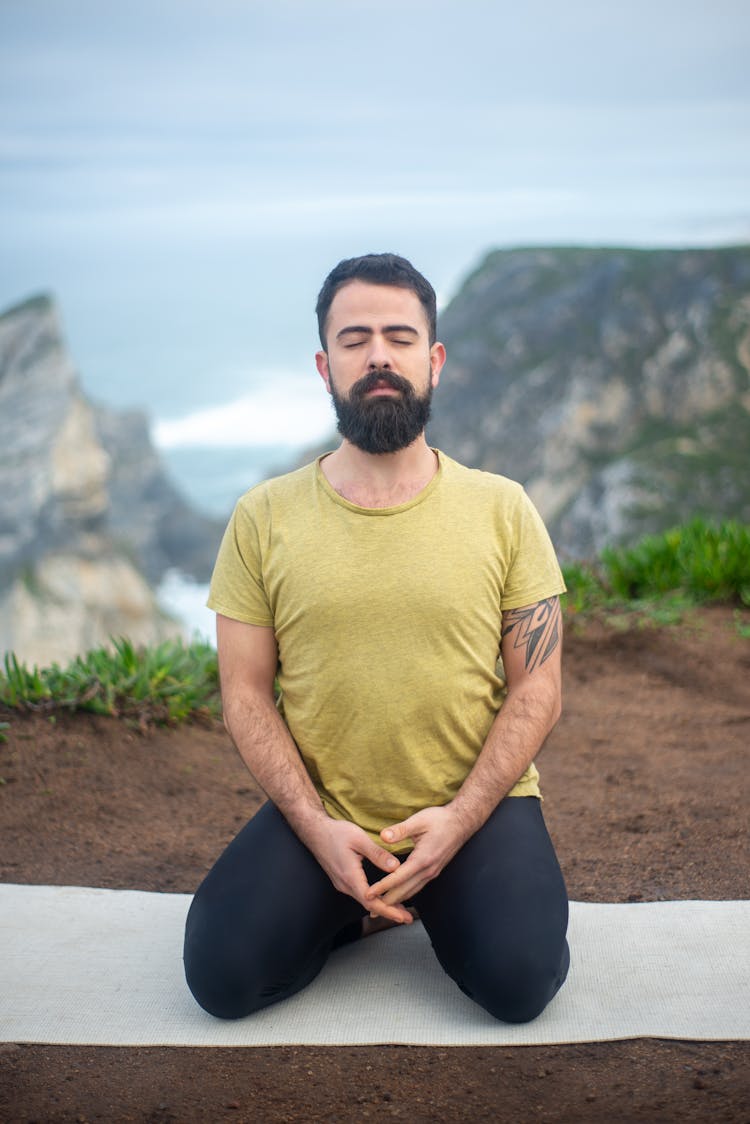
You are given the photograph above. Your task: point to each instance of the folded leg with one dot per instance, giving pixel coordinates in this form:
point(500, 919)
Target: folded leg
point(497, 915)
point(263, 921)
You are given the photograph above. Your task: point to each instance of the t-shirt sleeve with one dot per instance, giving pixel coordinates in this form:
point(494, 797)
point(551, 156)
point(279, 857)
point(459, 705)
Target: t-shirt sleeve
point(534, 573)
point(237, 589)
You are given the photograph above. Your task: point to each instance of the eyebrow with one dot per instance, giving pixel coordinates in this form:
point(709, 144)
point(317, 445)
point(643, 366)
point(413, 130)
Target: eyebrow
point(361, 330)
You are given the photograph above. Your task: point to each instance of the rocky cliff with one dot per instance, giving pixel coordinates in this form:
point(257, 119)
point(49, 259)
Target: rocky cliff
point(88, 519)
point(615, 384)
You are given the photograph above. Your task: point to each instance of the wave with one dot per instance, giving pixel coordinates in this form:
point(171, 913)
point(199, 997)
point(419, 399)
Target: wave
point(284, 410)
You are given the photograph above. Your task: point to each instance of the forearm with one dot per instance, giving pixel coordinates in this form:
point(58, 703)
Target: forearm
point(518, 732)
point(269, 752)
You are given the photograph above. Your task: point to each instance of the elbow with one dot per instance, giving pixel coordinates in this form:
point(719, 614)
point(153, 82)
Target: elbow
point(555, 707)
point(228, 707)
point(552, 711)
point(242, 711)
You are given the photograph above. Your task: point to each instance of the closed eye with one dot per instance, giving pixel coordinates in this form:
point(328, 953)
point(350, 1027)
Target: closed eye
point(399, 341)
point(353, 335)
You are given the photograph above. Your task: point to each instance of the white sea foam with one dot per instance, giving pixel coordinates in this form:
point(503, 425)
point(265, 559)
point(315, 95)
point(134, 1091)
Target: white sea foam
point(289, 409)
point(186, 600)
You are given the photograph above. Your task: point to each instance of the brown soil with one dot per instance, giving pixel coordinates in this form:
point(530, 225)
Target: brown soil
point(646, 797)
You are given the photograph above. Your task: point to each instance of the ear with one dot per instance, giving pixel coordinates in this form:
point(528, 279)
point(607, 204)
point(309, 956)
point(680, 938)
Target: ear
point(437, 360)
point(321, 362)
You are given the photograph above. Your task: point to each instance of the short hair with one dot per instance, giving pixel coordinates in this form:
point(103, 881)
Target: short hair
point(377, 269)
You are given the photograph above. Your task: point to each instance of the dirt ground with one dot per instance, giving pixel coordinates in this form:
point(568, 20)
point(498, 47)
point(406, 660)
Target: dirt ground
point(646, 795)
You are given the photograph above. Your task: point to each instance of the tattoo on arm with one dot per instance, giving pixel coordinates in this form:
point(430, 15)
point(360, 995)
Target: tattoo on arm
point(537, 630)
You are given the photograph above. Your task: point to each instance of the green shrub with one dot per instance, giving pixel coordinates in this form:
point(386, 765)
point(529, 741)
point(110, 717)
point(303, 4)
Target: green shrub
point(708, 562)
point(164, 684)
point(585, 588)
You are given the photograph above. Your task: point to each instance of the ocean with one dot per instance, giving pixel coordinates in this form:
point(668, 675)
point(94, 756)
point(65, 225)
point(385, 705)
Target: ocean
point(213, 478)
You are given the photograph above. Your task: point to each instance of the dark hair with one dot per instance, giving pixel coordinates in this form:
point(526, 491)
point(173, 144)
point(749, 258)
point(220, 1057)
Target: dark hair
point(377, 269)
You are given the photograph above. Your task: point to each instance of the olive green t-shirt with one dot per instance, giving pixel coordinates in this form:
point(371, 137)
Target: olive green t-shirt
point(388, 626)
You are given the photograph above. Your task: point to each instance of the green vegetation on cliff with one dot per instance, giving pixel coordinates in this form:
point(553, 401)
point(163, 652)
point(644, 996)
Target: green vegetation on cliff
point(169, 683)
point(695, 563)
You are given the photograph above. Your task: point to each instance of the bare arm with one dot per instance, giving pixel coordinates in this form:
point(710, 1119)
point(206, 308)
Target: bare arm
point(531, 646)
point(248, 657)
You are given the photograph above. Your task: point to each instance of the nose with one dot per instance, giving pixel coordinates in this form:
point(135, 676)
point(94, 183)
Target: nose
point(379, 354)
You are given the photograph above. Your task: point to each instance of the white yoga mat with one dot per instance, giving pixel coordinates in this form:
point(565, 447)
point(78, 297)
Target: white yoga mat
point(103, 967)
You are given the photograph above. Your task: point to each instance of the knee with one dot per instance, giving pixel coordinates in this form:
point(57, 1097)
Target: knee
point(219, 994)
point(520, 990)
point(217, 983)
point(219, 971)
point(514, 1003)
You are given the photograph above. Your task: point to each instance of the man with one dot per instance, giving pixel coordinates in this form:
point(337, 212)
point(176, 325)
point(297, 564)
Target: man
point(381, 584)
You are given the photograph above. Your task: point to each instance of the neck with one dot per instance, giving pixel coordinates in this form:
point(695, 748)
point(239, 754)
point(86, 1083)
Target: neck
point(383, 479)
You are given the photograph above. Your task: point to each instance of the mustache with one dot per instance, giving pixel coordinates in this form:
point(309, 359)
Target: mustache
point(379, 377)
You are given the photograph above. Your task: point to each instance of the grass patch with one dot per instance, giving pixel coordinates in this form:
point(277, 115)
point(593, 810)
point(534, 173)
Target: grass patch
point(163, 685)
point(704, 561)
point(742, 625)
point(664, 576)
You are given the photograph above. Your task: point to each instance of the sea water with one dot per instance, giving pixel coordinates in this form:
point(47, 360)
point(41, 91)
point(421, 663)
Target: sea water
point(212, 479)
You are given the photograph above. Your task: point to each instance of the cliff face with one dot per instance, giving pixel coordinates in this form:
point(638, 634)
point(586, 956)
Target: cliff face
point(146, 511)
point(87, 517)
point(615, 384)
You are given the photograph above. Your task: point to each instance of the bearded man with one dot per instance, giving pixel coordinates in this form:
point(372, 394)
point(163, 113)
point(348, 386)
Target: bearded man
point(408, 608)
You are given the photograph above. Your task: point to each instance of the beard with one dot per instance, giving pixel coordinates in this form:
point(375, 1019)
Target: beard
point(381, 424)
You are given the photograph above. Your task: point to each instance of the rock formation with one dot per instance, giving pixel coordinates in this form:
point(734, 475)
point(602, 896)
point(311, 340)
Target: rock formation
point(614, 384)
point(88, 519)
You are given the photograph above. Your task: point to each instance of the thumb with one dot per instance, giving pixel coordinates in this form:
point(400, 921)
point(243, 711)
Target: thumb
point(395, 832)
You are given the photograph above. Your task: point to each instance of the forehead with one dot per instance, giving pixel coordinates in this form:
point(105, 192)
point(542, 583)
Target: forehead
point(360, 303)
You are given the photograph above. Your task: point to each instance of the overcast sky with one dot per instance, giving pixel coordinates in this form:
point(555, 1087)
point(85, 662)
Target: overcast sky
point(182, 174)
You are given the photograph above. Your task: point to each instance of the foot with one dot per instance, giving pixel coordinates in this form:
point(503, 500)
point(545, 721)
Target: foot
point(371, 925)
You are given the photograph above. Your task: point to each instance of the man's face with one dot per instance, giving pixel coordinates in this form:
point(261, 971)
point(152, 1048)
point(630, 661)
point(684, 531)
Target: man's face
point(379, 366)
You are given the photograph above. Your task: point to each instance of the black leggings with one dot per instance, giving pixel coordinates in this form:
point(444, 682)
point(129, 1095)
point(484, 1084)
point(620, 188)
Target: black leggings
point(266, 917)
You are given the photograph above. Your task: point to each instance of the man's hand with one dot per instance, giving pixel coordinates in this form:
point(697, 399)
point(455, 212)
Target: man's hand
point(438, 834)
point(340, 847)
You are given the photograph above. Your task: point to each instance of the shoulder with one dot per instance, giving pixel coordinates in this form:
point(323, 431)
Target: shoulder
point(503, 502)
point(286, 489)
point(486, 486)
